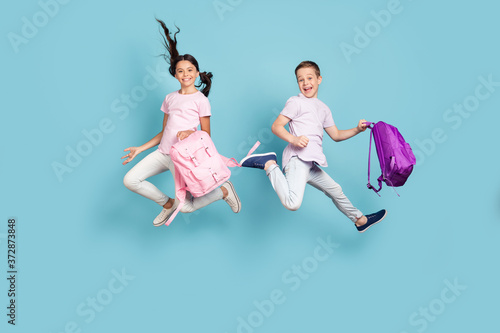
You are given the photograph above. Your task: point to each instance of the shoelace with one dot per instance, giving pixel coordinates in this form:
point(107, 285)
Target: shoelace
point(232, 203)
point(163, 214)
point(166, 212)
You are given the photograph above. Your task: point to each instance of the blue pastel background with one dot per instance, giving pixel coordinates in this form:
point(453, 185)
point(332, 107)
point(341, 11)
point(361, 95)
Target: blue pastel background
point(213, 271)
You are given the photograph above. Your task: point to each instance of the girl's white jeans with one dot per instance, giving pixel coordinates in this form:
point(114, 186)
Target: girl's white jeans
point(156, 163)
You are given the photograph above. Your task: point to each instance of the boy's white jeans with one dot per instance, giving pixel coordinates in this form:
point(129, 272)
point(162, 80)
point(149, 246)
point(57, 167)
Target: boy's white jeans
point(153, 164)
point(290, 186)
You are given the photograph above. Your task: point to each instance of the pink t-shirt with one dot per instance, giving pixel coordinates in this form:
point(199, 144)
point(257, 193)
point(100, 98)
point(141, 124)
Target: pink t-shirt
point(308, 117)
point(184, 112)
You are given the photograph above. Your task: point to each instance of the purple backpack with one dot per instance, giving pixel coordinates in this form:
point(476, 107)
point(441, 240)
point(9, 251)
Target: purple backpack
point(394, 154)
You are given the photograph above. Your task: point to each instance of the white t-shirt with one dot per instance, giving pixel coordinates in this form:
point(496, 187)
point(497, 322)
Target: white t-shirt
point(308, 117)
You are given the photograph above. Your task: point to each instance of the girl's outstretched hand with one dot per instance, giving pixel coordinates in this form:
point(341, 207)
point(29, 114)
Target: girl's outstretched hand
point(184, 134)
point(362, 127)
point(133, 152)
point(300, 141)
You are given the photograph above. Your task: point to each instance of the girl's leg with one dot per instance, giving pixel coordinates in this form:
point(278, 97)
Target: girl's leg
point(191, 204)
point(135, 179)
point(290, 186)
point(323, 182)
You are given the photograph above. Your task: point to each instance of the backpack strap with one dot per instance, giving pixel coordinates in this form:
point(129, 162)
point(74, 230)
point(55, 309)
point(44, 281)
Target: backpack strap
point(191, 156)
point(180, 193)
point(381, 178)
point(231, 162)
point(207, 149)
point(369, 124)
point(387, 181)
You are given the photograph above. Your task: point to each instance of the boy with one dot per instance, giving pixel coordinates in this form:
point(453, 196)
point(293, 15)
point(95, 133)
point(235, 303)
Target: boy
point(307, 116)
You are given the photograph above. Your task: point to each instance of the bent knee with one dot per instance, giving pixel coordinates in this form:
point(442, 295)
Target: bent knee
point(131, 182)
point(292, 206)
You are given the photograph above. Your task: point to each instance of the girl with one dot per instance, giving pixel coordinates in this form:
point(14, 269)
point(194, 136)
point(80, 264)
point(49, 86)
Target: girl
point(184, 110)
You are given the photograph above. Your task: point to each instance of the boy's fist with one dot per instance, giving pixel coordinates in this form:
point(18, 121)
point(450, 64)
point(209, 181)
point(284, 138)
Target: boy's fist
point(300, 141)
point(362, 127)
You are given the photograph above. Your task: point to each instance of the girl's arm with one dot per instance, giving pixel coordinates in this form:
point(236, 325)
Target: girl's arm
point(204, 124)
point(341, 135)
point(280, 131)
point(134, 151)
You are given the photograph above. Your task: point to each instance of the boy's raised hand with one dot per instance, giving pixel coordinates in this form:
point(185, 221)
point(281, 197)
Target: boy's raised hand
point(300, 141)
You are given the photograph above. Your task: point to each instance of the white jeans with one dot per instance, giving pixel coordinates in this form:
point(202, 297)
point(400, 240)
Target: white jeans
point(153, 164)
point(290, 186)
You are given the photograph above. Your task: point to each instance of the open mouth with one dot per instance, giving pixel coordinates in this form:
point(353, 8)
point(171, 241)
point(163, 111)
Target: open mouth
point(186, 80)
point(307, 89)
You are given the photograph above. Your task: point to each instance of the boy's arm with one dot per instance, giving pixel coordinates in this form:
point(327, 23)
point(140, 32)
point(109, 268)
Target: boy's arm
point(280, 131)
point(341, 135)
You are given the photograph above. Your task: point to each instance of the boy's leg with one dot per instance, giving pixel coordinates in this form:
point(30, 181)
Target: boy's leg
point(290, 186)
point(323, 182)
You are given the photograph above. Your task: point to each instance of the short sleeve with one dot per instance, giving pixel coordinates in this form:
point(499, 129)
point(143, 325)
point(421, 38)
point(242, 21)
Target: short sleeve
point(291, 109)
point(164, 105)
point(328, 122)
point(204, 107)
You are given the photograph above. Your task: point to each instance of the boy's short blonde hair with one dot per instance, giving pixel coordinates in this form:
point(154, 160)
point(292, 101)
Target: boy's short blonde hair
point(306, 64)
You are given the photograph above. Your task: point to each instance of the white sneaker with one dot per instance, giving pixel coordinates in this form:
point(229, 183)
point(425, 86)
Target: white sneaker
point(232, 198)
point(165, 214)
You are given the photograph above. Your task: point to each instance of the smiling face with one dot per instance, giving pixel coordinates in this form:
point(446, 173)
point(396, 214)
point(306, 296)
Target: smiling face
point(186, 73)
point(308, 81)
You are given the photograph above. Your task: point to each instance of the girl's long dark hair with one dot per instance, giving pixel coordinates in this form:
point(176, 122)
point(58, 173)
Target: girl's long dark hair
point(172, 57)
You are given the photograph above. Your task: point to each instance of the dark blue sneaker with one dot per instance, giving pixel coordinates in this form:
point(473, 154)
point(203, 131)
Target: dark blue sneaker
point(257, 160)
point(372, 220)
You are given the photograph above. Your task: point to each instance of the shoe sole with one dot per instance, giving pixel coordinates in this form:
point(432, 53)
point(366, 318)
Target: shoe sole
point(371, 225)
point(256, 155)
point(235, 194)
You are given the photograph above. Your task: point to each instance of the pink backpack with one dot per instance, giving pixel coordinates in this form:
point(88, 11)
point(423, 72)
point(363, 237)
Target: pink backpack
point(199, 168)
